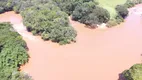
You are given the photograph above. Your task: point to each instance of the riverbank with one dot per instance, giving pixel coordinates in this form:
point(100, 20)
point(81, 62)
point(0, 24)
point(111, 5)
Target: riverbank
point(97, 54)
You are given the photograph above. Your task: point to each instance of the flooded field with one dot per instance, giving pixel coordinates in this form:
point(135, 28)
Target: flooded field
point(98, 54)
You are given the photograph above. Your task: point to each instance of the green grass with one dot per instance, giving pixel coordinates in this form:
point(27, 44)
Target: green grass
point(110, 5)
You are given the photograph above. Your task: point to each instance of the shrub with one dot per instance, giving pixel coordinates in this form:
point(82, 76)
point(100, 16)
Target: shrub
point(98, 16)
point(134, 73)
point(13, 52)
point(6, 5)
point(21, 5)
point(82, 11)
point(2, 5)
point(45, 36)
point(122, 10)
point(137, 1)
point(129, 3)
point(111, 23)
point(48, 21)
point(14, 75)
point(69, 6)
point(43, 19)
point(20, 76)
point(90, 14)
point(1, 10)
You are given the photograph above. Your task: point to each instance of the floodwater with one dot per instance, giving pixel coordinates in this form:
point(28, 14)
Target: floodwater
point(98, 54)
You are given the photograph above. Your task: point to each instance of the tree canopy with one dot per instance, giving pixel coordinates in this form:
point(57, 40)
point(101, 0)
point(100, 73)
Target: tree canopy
point(13, 52)
point(134, 73)
point(90, 14)
point(45, 18)
point(69, 6)
point(50, 22)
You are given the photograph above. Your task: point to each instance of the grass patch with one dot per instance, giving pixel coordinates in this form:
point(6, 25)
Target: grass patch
point(110, 6)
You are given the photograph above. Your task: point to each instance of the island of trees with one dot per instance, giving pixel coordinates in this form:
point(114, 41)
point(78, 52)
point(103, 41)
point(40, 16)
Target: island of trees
point(13, 54)
point(134, 73)
point(49, 19)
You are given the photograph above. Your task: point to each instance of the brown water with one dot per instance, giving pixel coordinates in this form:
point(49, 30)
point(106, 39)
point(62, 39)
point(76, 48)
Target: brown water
point(99, 54)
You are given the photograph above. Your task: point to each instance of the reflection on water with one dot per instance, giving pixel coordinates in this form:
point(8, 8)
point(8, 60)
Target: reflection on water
point(97, 55)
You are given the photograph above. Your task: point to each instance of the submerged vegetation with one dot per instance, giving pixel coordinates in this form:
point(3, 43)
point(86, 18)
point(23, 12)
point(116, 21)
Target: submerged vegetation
point(13, 53)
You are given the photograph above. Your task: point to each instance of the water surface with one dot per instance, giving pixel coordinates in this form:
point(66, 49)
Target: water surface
point(99, 54)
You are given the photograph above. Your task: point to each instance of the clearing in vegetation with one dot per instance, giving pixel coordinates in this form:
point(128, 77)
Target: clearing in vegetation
point(110, 5)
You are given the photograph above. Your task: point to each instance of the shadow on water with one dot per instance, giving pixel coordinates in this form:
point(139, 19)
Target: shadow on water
point(121, 77)
point(91, 27)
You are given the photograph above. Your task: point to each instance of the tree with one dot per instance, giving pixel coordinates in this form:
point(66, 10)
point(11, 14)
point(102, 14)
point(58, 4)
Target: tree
point(13, 53)
point(134, 73)
point(90, 14)
point(48, 21)
point(83, 10)
point(122, 10)
point(69, 6)
point(129, 3)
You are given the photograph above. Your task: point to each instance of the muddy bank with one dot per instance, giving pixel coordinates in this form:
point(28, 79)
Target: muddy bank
point(99, 54)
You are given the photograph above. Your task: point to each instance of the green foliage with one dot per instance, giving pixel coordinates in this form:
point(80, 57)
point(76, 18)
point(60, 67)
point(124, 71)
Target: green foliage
point(132, 3)
point(134, 73)
point(122, 10)
point(69, 6)
point(129, 3)
point(137, 1)
point(48, 21)
point(111, 23)
point(20, 5)
point(2, 5)
point(110, 6)
point(83, 10)
point(43, 17)
point(10, 74)
point(1, 10)
point(98, 16)
point(20, 76)
point(5, 5)
point(12, 52)
point(90, 14)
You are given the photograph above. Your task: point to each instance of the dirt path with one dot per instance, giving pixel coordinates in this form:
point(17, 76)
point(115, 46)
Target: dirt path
point(99, 54)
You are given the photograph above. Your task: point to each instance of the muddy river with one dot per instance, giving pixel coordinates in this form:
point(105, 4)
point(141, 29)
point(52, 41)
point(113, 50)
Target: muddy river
point(98, 54)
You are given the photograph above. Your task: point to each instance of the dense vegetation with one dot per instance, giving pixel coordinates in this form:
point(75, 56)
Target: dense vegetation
point(122, 12)
point(87, 11)
point(90, 14)
point(134, 73)
point(43, 17)
point(50, 23)
point(49, 18)
point(69, 6)
point(84, 11)
point(12, 53)
point(111, 5)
